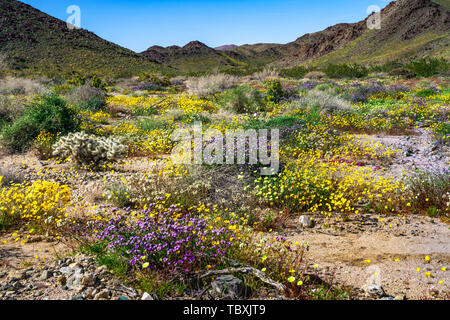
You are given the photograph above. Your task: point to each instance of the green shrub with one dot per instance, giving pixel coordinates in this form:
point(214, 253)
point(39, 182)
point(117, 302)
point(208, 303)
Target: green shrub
point(88, 97)
point(156, 79)
point(402, 72)
point(47, 113)
point(430, 192)
point(427, 66)
point(275, 91)
point(296, 72)
point(425, 93)
point(242, 99)
point(346, 71)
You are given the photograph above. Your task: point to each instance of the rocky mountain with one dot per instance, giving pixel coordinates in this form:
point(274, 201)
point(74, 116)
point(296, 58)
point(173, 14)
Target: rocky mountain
point(409, 28)
point(226, 47)
point(34, 42)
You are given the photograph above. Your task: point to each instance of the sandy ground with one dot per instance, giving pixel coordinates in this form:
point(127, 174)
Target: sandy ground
point(396, 246)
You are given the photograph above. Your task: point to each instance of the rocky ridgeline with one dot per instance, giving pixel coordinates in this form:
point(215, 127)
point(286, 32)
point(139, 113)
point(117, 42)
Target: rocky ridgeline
point(76, 278)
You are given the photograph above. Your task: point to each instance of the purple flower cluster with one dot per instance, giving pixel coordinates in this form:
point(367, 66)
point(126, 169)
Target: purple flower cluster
point(163, 239)
point(309, 85)
point(146, 86)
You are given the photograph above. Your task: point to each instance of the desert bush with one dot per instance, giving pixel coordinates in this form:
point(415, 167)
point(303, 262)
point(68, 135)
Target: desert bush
point(155, 79)
point(424, 93)
point(265, 75)
point(296, 72)
point(275, 91)
point(430, 190)
point(9, 176)
point(48, 113)
point(402, 72)
point(43, 144)
point(119, 194)
point(428, 66)
point(18, 86)
point(88, 97)
point(10, 108)
point(88, 150)
point(3, 65)
point(325, 102)
point(315, 75)
point(95, 81)
point(346, 71)
point(207, 85)
point(242, 99)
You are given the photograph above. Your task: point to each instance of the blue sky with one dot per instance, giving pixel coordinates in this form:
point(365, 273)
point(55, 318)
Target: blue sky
point(139, 24)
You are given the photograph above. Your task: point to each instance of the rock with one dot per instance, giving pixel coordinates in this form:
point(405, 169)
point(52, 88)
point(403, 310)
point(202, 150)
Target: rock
point(375, 290)
point(88, 280)
point(146, 296)
point(74, 281)
point(62, 280)
point(104, 294)
point(101, 269)
point(65, 270)
point(16, 275)
point(228, 286)
point(75, 266)
point(76, 297)
point(306, 222)
point(124, 298)
point(89, 293)
point(387, 298)
point(45, 275)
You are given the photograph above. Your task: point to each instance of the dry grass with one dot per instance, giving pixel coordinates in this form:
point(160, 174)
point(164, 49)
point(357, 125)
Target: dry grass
point(266, 74)
point(18, 86)
point(207, 85)
point(315, 75)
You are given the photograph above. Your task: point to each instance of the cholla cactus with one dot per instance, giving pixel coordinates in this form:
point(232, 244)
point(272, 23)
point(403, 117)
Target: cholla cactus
point(90, 150)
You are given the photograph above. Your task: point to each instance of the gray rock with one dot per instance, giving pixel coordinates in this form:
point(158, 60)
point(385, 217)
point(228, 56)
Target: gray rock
point(65, 270)
point(62, 280)
point(74, 281)
point(228, 286)
point(45, 275)
point(104, 294)
point(306, 222)
point(387, 298)
point(88, 280)
point(375, 290)
point(146, 296)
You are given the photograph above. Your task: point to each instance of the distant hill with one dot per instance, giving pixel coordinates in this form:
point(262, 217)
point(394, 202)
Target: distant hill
point(226, 47)
point(195, 57)
point(410, 29)
point(34, 42)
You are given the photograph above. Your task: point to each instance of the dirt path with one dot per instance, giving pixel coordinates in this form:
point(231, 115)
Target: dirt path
point(395, 246)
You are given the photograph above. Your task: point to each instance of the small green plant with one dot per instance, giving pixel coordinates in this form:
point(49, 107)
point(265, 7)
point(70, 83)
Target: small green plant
point(242, 99)
point(429, 66)
point(424, 93)
point(296, 72)
point(120, 195)
point(275, 91)
point(346, 71)
point(48, 113)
